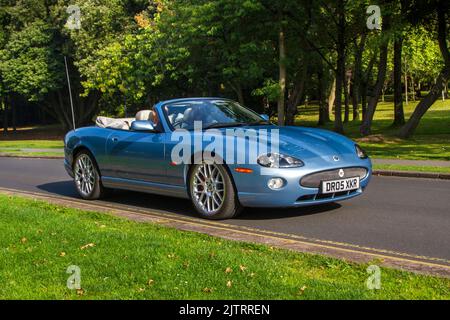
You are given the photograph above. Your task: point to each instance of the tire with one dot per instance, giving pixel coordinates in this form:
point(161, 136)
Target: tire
point(87, 177)
point(212, 192)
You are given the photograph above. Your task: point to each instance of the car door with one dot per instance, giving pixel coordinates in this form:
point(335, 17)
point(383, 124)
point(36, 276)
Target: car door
point(137, 156)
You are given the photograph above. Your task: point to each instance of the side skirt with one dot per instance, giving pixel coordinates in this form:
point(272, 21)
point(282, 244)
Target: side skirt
point(144, 186)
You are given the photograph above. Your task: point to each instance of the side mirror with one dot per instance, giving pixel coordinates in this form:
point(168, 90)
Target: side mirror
point(265, 117)
point(142, 126)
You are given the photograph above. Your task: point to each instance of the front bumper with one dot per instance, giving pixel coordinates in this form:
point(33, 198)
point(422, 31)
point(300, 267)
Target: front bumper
point(68, 168)
point(254, 192)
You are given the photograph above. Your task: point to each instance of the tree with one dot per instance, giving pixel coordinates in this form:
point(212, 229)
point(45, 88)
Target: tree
point(365, 128)
point(441, 10)
point(27, 62)
point(340, 67)
point(32, 59)
point(282, 77)
point(399, 116)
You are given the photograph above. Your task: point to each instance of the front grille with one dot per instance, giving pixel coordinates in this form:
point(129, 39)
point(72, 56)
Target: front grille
point(313, 180)
point(323, 196)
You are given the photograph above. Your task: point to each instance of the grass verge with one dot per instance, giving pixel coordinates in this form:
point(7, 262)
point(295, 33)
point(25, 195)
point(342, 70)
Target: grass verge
point(32, 144)
point(121, 259)
point(31, 148)
point(24, 154)
point(430, 142)
point(395, 167)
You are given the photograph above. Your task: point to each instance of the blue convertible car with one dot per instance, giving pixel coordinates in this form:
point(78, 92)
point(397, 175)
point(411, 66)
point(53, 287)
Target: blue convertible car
point(218, 154)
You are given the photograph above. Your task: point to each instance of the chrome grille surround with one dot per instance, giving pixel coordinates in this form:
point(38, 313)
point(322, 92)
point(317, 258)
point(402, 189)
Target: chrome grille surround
point(313, 180)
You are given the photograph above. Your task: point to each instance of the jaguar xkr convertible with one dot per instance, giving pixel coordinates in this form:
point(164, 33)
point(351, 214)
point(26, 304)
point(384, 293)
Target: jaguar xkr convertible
point(217, 153)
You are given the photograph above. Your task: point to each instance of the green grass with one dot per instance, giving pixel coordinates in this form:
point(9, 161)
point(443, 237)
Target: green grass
point(396, 167)
point(425, 147)
point(32, 144)
point(20, 153)
point(19, 148)
point(431, 140)
point(130, 260)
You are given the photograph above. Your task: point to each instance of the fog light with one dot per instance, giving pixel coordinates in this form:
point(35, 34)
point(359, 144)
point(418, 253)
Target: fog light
point(275, 183)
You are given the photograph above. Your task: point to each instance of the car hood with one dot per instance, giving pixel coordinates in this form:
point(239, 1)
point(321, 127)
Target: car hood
point(312, 144)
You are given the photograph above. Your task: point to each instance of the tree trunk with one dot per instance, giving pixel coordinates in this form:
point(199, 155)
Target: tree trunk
point(406, 82)
point(364, 86)
point(340, 68)
point(408, 129)
point(237, 88)
point(399, 115)
point(357, 76)
point(373, 101)
point(282, 79)
point(364, 101)
point(355, 107)
point(346, 100)
point(410, 126)
point(91, 107)
point(331, 97)
point(14, 115)
point(296, 96)
point(445, 92)
point(5, 115)
point(324, 115)
point(240, 95)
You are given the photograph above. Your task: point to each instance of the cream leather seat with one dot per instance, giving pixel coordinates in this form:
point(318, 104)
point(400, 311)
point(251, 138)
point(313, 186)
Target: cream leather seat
point(146, 115)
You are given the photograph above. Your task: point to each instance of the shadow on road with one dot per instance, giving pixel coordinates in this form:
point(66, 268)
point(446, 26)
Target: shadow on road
point(144, 201)
point(277, 213)
point(60, 188)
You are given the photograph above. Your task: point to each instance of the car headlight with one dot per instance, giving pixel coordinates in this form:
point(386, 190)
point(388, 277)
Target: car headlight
point(276, 160)
point(360, 152)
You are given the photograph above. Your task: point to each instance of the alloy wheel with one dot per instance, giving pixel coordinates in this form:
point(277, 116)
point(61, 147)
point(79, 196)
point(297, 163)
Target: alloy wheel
point(208, 188)
point(84, 175)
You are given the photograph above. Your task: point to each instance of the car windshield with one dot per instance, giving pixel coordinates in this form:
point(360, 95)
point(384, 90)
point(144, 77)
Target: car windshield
point(211, 113)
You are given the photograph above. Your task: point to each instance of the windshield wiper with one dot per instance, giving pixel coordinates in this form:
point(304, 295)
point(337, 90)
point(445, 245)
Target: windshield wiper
point(261, 122)
point(225, 125)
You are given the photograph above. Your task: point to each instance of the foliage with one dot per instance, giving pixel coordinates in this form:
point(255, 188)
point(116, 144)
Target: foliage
point(27, 62)
point(135, 52)
point(422, 54)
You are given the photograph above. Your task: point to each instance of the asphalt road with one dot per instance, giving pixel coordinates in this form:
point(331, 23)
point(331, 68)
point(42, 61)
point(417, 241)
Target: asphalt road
point(399, 214)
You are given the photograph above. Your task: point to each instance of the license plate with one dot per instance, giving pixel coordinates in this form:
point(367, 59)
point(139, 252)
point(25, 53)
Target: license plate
point(340, 185)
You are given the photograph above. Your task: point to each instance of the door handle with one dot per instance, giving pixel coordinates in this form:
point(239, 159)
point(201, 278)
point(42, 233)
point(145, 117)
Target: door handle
point(115, 139)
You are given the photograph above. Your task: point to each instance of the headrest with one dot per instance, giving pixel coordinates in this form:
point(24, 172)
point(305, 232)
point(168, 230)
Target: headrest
point(145, 115)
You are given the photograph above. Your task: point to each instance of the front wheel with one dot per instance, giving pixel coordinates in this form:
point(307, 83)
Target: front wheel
point(212, 192)
point(87, 177)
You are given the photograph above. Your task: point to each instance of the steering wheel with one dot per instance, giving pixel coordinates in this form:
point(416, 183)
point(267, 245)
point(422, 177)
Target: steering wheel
point(177, 122)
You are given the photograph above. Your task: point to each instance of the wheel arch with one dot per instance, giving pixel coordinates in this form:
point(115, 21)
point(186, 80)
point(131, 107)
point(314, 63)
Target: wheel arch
point(78, 149)
point(188, 169)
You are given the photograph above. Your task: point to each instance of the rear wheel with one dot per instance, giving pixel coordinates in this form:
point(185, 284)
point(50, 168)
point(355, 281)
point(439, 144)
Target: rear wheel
point(212, 192)
point(87, 177)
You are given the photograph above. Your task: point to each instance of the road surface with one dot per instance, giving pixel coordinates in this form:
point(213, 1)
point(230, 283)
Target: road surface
point(404, 215)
